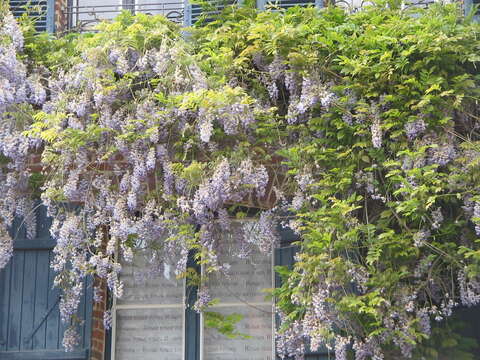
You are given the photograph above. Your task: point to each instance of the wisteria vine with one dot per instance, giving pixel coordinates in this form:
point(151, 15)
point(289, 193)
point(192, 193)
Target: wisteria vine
point(154, 140)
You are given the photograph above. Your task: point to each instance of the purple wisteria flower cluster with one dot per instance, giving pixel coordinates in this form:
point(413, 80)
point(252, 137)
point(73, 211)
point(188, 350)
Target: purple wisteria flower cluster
point(17, 89)
point(131, 169)
point(148, 155)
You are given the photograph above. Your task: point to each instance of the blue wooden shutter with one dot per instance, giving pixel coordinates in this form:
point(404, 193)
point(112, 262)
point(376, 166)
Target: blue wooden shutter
point(192, 318)
point(469, 4)
point(30, 325)
point(285, 256)
point(46, 16)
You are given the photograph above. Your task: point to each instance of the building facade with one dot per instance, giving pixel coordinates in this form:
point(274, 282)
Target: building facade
point(155, 319)
point(67, 15)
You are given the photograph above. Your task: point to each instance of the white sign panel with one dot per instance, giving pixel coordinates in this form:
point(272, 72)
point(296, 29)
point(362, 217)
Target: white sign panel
point(149, 334)
point(256, 323)
point(241, 291)
point(149, 318)
point(156, 289)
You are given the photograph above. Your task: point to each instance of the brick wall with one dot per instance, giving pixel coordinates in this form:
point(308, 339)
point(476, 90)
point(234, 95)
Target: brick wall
point(98, 331)
point(61, 20)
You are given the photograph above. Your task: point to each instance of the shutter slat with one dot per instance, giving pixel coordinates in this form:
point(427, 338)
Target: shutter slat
point(19, 8)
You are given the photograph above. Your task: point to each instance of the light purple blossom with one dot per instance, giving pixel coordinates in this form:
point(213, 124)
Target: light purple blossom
point(341, 347)
point(122, 65)
point(107, 319)
point(6, 247)
point(415, 128)
point(262, 233)
point(437, 218)
point(11, 29)
point(213, 193)
point(476, 214)
point(442, 154)
point(420, 237)
point(291, 342)
point(469, 289)
point(277, 68)
point(376, 134)
point(69, 302)
point(37, 93)
point(71, 339)
point(424, 321)
point(205, 125)
point(114, 55)
point(203, 300)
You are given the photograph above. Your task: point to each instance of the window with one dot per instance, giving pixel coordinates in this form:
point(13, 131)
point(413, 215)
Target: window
point(151, 318)
point(241, 292)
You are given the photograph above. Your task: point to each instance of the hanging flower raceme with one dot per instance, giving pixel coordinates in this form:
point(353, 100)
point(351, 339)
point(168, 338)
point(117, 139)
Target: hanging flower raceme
point(18, 92)
point(150, 145)
point(126, 122)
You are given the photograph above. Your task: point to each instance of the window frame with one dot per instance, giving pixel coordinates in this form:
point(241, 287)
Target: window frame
point(193, 345)
point(244, 305)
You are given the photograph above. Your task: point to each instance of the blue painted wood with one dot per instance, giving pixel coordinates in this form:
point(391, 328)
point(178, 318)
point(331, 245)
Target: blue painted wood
point(197, 12)
point(192, 318)
point(469, 6)
point(15, 309)
point(28, 300)
point(44, 222)
point(85, 312)
point(50, 16)
point(44, 17)
point(18, 231)
point(88, 315)
point(45, 355)
point(82, 309)
point(187, 13)
point(108, 333)
point(30, 326)
point(108, 345)
point(5, 279)
point(36, 244)
point(52, 331)
point(41, 295)
point(261, 4)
